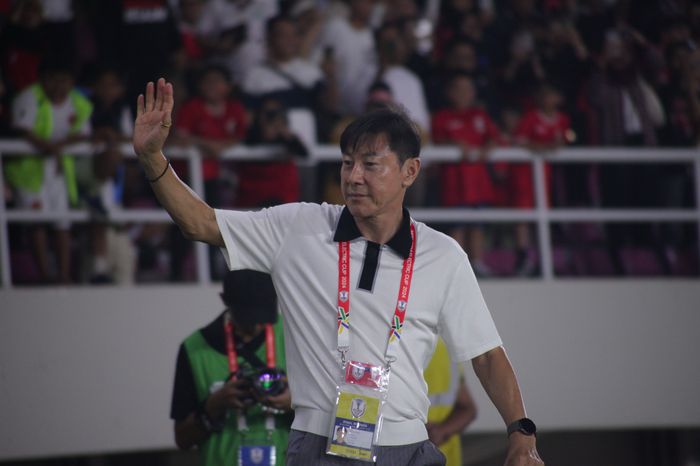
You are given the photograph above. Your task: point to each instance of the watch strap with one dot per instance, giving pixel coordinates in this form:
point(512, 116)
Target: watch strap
point(525, 426)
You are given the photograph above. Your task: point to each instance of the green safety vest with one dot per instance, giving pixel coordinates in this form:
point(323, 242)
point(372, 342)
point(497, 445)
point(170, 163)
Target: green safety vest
point(210, 366)
point(27, 172)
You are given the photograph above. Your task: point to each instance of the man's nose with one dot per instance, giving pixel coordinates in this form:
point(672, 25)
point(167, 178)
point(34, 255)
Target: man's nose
point(357, 174)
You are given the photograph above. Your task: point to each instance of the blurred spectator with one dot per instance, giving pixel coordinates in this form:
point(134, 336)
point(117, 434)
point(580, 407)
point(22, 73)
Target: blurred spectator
point(285, 76)
point(235, 32)
point(59, 27)
point(627, 109)
point(23, 43)
point(461, 57)
point(349, 42)
point(523, 71)
point(271, 183)
point(190, 13)
point(417, 35)
point(405, 86)
point(50, 115)
point(213, 121)
point(114, 255)
point(473, 182)
point(141, 36)
point(542, 129)
point(566, 64)
point(594, 19)
point(309, 19)
point(515, 18)
point(449, 25)
point(681, 95)
point(628, 112)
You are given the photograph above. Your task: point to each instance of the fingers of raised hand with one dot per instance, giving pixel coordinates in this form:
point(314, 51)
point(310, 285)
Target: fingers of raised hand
point(160, 91)
point(140, 105)
point(150, 97)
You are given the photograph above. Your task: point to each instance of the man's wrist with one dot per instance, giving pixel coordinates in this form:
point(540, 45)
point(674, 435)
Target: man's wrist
point(208, 419)
point(524, 426)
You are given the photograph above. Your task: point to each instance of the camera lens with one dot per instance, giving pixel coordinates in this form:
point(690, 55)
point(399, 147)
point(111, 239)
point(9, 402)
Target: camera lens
point(270, 382)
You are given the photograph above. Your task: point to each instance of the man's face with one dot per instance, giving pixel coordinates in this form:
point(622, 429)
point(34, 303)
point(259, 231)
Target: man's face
point(214, 88)
point(373, 181)
point(57, 86)
point(284, 41)
point(461, 93)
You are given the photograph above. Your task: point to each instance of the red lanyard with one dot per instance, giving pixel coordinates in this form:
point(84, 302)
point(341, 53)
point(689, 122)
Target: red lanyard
point(231, 346)
point(344, 294)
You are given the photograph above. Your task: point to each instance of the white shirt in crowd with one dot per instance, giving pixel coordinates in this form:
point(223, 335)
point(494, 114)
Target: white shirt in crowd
point(264, 79)
point(407, 90)
point(355, 61)
point(220, 15)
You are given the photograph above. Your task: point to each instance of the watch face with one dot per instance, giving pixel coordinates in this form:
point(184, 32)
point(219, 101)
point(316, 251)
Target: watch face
point(527, 426)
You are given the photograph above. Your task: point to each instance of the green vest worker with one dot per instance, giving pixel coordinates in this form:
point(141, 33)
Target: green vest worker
point(27, 173)
point(230, 396)
point(451, 406)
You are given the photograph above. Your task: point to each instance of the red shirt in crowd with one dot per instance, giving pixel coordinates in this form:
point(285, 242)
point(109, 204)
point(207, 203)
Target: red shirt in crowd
point(466, 183)
point(535, 128)
point(195, 119)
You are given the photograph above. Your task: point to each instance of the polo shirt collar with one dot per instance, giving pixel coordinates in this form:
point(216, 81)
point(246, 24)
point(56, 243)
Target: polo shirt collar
point(401, 242)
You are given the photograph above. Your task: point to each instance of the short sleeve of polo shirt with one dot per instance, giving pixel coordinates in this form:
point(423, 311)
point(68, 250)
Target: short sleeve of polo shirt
point(253, 239)
point(465, 322)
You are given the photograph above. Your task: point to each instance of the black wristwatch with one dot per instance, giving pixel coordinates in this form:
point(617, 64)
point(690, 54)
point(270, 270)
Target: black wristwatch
point(525, 426)
point(210, 425)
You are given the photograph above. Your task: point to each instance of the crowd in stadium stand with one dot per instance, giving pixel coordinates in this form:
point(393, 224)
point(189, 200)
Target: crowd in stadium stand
point(476, 74)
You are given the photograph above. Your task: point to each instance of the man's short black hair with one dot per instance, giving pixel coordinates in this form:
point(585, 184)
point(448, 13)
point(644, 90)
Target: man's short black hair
point(400, 132)
point(250, 296)
point(214, 68)
point(275, 20)
point(53, 66)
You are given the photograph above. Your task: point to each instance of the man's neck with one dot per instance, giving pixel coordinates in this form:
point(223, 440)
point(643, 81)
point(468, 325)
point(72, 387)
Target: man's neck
point(382, 228)
point(246, 334)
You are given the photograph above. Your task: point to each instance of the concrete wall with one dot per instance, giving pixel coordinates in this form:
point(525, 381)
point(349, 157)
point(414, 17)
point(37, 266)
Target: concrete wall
point(89, 370)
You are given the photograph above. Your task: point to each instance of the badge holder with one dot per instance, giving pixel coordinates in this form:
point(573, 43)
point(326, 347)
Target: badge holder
point(256, 450)
point(357, 419)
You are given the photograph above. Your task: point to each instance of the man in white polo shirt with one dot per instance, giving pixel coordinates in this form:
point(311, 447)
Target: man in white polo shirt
point(362, 287)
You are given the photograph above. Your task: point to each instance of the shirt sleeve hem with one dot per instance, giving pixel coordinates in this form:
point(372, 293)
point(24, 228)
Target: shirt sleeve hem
point(478, 351)
point(227, 249)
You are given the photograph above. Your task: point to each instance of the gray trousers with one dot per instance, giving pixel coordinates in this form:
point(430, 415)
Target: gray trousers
point(307, 449)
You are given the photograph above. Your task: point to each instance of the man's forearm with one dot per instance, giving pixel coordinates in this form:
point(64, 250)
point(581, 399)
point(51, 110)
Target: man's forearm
point(195, 217)
point(498, 379)
point(189, 432)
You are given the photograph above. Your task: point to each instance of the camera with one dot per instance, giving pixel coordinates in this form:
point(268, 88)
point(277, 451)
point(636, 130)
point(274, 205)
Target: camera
point(261, 382)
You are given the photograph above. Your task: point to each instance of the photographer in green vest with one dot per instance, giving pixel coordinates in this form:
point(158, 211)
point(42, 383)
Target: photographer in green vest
point(230, 396)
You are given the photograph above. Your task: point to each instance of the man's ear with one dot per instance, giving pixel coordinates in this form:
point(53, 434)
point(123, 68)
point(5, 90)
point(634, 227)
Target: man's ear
point(410, 170)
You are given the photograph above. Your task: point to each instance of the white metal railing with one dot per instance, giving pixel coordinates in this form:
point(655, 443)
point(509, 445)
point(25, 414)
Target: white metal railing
point(542, 215)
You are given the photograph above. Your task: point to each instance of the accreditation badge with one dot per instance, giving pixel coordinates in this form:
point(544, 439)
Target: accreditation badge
point(358, 412)
point(257, 455)
point(355, 426)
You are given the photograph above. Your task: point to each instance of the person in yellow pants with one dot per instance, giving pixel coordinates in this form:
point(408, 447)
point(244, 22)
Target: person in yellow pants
point(452, 408)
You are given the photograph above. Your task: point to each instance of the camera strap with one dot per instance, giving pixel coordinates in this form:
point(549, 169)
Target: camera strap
point(270, 353)
point(270, 356)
